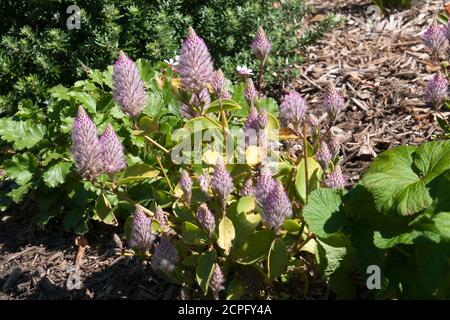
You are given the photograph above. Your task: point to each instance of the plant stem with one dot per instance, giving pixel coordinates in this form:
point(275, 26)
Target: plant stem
point(305, 156)
point(223, 117)
point(260, 77)
point(165, 174)
point(156, 144)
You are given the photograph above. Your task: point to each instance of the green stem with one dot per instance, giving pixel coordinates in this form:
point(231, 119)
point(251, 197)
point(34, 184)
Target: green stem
point(156, 144)
point(305, 156)
point(165, 174)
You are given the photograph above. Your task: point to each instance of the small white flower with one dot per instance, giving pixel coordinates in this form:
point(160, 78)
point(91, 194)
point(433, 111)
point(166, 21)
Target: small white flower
point(243, 71)
point(172, 62)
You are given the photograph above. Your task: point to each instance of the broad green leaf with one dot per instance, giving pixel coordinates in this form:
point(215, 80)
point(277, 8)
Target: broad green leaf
point(21, 167)
point(432, 159)
point(202, 123)
point(442, 223)
point(226, 234)
point(256, 248)
point(138, 172)
point(323, 213)
point(386, 243)
point(235, 289)
point(205, 268)
point(17, 194)
point(22, 134)
point(147, 125)
point(75, 221)
point(227, 105)
point(103, 211)
point(254, 155)
point(394, 185)
point(246, 204)
point(59, 92)
point(145, 69)
point(85, 99)
point(291, 226)
point(56, 174)
point(277, 259)
point(192, 234)
point(314, 176)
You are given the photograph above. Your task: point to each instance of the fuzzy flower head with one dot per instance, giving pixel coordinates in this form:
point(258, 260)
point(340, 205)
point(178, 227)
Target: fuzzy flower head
point(247, 188)
point(244, 72)
point(219, 85)
point(186, 185)
point(250, 92)
point(217, 281)
point(161, 217)
point(435, 37)
point(292, 109)
point(86, 148)
point(128, 88)
point(221, 182)
point(333, 101)
point(195, 66)
point(437, 90)
point(113, 156)
point(203, 181)
point(252, 121)
point(324, 155)
point(260, 45)
point(165, 256)
point(277, 207)
point(141, 234)
point(335, 179)
point(198, 104)
point(264, 187)
point(335, 146)
point(206, 218)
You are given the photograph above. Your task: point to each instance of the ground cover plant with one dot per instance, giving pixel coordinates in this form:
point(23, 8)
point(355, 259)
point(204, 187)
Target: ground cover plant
point(228, 193)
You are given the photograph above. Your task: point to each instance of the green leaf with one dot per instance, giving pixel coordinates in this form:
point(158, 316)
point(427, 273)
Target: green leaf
point(394, 185)
point(18, 193)
point(85, 99)
point(323, 212)
point(138, 172)
point(205, 268)
point(386, 243)
point(21, 167)
point(235, 289)
point(23, 134)
point(314, 177)
point(147, 125)
point(432, 159)
point(277, 260)
point(256, 248)
point(103, 211)
point(56, 174)
point(226, 235)
point(145, 69)
point(291, 226)
point(246, 204)
point(192, 234)
point(442, 224)
point(227, 105)
point(202, 123)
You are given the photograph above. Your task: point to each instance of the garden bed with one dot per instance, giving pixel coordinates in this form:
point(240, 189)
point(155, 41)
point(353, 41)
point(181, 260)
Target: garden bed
point(381, 71)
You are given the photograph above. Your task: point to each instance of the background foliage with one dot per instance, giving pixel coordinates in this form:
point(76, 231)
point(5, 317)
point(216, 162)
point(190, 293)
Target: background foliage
point(37, 51)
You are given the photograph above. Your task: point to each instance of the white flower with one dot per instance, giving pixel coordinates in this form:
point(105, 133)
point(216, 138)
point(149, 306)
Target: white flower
point(172, 62)
point(243, 71)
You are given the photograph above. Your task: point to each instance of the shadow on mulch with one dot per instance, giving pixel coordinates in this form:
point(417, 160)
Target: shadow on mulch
point(35, 264)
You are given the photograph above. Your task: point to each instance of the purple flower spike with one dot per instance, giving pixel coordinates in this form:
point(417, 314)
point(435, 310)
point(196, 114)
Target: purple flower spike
point(324, 155)
point(252, 121)
point(141, 234)
point(217, 281)
point(292, 109)
point(195, 66)
point(277, 207)
point(113, 156)
point(203, 181)
point(221, 181)
point(436, 91)
point(161, 217)
point(435, 37)
point(264, 187)
point(333, 101)
point(247, 188)
point(250, 92)
point(165, 256)
point(219, 85)
point(260, 45)
point(335, 147)
point(86, 148)
point(186, 185)
point(262, 119)
point(128, 87)
point(335, 179)
point(206, 218)
point(202, 101)
point(313, 122)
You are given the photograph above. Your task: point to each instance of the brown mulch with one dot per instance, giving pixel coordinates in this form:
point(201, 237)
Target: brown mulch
point(381, 71)
point(381, 65)
point(38, 264)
